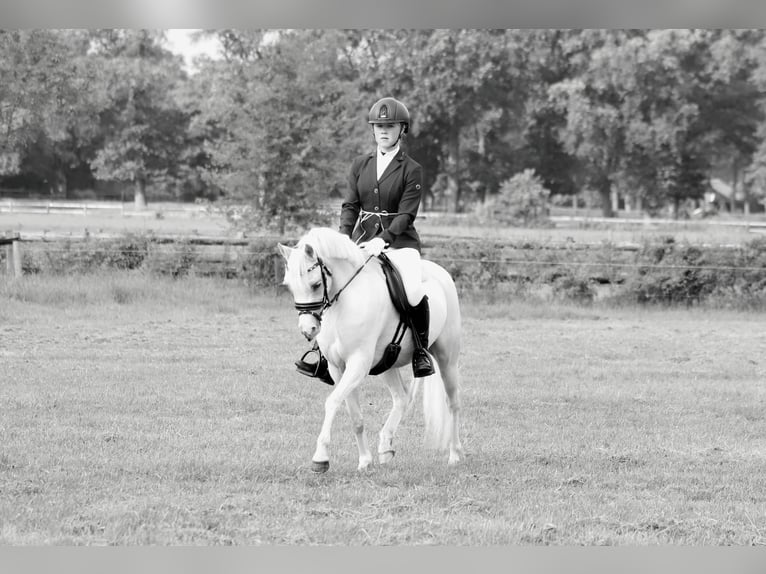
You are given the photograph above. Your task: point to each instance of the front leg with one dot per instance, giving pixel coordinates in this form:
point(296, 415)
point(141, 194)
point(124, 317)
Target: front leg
point(357, 423)
point(356, 369)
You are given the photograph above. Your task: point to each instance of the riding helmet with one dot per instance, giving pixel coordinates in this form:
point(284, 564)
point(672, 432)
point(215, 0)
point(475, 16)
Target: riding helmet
point(389, 111)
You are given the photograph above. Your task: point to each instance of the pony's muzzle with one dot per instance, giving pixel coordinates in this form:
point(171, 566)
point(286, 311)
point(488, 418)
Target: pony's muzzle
point(309, 325)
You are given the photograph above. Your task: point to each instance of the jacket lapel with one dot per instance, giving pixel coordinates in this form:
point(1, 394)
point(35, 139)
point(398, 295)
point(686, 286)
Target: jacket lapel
point(368, 175)
point(395, 164)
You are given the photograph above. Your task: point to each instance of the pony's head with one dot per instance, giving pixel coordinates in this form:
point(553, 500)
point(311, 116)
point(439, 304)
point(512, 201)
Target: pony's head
point(308, 275)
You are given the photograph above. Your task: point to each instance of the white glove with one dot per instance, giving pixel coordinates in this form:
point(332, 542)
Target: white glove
point(374, 246)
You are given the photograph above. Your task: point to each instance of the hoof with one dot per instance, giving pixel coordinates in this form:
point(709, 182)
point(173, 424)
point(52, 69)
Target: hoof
point(386, 457)
point(320, 467)
point(455, 457)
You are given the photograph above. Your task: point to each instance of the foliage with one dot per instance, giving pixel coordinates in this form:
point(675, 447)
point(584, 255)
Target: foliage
point(523, 199)
point(282, 125)
point(643, 116)
point(143, 126)
point(682, 273)
point(75, 257)
point(47, 104)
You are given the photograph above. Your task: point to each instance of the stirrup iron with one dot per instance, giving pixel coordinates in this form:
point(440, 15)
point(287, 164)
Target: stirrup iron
point(319, 369)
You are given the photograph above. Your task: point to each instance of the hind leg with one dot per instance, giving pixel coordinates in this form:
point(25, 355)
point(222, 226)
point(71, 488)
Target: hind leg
point(401, 396)
point(451, 380)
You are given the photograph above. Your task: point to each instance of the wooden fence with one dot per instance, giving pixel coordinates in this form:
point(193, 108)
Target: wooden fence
point(12, 244)
point(217, 252)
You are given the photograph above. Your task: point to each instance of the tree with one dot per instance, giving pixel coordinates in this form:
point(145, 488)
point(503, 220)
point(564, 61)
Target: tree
point(755, 177)
point(634, 114)
point(143, 127)
point(590, 100)
point(47, 113)
point(731, 103)
point(545, 63)
point(459, 87)
point(280, 126)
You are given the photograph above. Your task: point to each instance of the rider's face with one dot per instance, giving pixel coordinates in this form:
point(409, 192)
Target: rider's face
point(386, 135)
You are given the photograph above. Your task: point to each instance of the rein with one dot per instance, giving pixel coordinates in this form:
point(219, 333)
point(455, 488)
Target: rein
point(317, 308)
point(365, 215)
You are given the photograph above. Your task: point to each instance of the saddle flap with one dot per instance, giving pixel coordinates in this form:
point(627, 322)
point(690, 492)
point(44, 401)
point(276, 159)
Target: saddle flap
point(395, 285)
point(388, 359)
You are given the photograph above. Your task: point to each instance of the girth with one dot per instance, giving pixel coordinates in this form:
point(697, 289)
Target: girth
point(399, 299)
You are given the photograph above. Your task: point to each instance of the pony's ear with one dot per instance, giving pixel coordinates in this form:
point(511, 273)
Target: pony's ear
point(309, 251)
point(284, 251)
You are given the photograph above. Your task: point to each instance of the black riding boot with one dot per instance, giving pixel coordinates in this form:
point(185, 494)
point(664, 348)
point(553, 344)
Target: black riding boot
point(420, 319)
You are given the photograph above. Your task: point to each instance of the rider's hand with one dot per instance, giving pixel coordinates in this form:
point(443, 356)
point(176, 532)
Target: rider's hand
point(374, 246)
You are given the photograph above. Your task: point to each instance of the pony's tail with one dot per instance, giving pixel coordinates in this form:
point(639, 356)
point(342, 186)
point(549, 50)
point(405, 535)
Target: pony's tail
point(437, 415)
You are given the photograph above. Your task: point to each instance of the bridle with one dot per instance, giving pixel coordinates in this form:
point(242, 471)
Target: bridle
point(317, 308)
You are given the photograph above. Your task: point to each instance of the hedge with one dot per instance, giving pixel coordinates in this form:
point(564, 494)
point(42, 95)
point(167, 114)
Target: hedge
point(662, 271)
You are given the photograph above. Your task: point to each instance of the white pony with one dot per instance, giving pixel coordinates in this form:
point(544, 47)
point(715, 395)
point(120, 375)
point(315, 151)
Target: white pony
point(344, 305)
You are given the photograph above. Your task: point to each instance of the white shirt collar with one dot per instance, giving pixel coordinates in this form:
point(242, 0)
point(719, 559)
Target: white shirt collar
point(388, 154)
point(382, 161)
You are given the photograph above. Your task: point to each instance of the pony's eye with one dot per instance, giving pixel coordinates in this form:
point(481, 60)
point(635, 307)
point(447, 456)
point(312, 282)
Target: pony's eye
point(316, 285)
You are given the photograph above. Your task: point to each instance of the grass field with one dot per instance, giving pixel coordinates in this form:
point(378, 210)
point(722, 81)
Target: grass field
point(141, 410)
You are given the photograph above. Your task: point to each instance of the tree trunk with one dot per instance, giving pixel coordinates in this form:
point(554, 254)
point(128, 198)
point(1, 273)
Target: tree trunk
point(453, 172)
point(615, 201)
point(139, 199)
point(59, 185)
point(605, 193)
point(745, 200)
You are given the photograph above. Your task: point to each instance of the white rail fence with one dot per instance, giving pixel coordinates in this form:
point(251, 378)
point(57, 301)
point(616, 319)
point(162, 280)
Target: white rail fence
point(98, 207)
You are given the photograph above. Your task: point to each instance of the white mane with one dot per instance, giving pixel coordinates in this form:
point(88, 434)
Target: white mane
point(331, 244)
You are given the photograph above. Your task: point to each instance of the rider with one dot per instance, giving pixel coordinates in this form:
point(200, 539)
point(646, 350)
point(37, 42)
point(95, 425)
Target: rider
point(379, 209)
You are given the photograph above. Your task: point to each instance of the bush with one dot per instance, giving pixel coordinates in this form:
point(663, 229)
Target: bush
point(74, 256)
point(522, 200)
point(260, 261)
point(672, 273)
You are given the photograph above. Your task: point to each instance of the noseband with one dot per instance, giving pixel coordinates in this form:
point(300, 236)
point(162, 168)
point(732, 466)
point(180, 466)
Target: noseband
point(317, 308)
